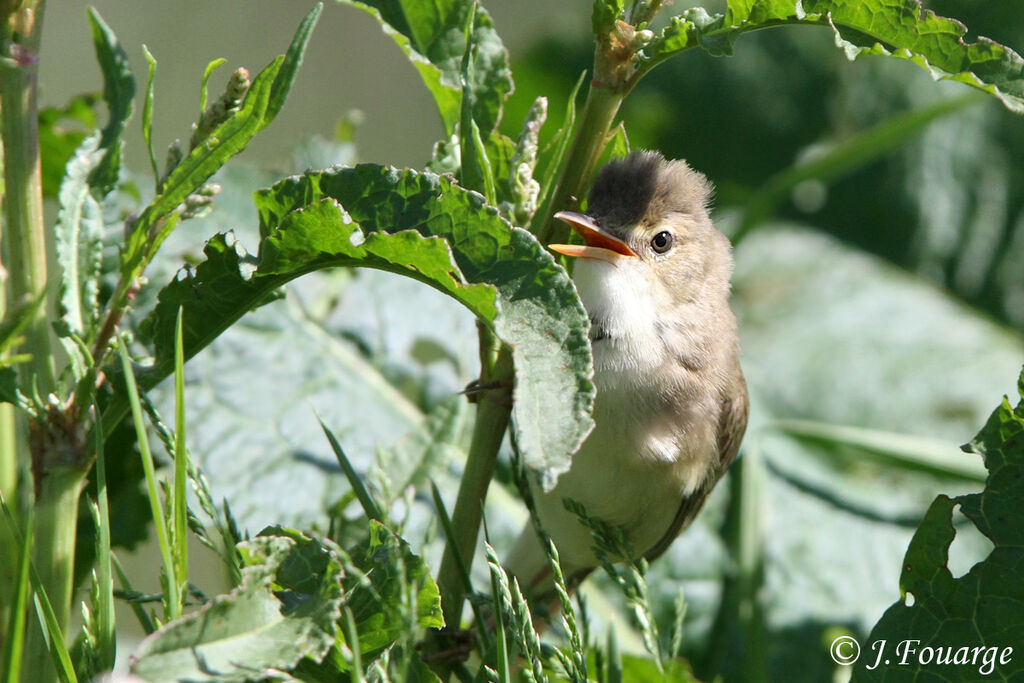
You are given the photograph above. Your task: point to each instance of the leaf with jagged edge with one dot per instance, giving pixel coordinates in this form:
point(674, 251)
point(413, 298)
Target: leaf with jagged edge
point(431, 35)
point(426, 227)
point(539, 313)
point(118, 93)
point(896, 28)
point(982, 609)
point(286, 609)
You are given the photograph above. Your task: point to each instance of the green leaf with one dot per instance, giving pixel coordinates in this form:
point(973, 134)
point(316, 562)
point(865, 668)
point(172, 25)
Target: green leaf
point(895, 28)
point(118, 93)
point(262, 103)
point(431, 35)
point(210, 68)
point(370, 507)
point(425, 227)
point(388, 593)
point(605, 14)
point(537, 311)
point(285, 609)
point(58, 140)
point(16, 320)
point(982, 608)
point(392, 569)
point(79, 233)
point(893, 449)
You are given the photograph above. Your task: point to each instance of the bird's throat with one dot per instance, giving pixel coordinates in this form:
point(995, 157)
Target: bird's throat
point(623, 304)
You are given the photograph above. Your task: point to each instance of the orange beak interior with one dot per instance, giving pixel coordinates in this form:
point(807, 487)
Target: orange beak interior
point(598, 243)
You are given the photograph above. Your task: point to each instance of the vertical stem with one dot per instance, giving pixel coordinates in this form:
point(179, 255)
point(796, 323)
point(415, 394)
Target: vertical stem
point(56, 521)
point(737, 646)
point(56, 454)
point(24, 231)
point(599, 113)
point(8, 479)
point(492, 417)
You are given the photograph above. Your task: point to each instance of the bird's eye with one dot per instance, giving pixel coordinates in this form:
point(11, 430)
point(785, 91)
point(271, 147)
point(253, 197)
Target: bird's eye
point(662, 242)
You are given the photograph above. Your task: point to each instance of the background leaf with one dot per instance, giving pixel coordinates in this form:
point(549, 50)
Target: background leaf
point(431, 34)
point(981, 608)
point(897, 28)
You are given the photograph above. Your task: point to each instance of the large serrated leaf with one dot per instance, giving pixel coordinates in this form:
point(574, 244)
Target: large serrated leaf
point(539, 313)
point(406, 222)
point(286, 608)
point(431, 35)
point(896, 28)
point(979, 612)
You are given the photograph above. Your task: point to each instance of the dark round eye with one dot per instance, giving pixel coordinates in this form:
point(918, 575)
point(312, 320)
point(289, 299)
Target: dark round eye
point(662, 242)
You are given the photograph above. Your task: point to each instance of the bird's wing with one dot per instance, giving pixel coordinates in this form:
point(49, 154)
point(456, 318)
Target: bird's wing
point(732, 423)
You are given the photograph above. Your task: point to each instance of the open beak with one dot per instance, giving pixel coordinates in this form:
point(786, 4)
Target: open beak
point(599, 244)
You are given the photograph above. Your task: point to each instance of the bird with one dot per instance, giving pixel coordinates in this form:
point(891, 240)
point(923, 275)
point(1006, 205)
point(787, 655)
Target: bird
point(671, 404)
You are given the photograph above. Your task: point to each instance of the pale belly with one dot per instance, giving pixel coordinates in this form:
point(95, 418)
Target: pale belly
point(631, 472)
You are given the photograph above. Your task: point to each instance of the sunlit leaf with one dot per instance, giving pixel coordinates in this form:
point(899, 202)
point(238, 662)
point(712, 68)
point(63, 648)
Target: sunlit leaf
point(897, 28)
point(285, 609)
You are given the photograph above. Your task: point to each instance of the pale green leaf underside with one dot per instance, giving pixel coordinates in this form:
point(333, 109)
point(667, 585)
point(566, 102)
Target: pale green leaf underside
point(426, 227)
point(897, 28)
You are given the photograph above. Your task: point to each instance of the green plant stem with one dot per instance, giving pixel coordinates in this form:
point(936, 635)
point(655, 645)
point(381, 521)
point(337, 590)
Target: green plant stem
point(494, 409)
point(56, 522)
point(24, 229)
point(8, 482)
point(592, 135)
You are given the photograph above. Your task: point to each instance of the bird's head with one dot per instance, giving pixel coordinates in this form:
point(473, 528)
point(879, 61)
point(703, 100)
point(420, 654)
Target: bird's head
point(648, 216)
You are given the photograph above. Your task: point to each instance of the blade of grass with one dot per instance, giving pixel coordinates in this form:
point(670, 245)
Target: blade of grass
point(892, 449)
point(352, 636)
point(460, 563)
point(105, 620)
point(366, 500)
point(844, 157)
point(48, 622)
point(126, 585)
point(179, 506)
point(614, 658)
point(172, 599)
point(501, 639)
point(14, 647)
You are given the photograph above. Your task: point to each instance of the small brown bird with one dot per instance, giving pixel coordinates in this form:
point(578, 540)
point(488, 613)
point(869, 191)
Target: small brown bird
point(671, 404)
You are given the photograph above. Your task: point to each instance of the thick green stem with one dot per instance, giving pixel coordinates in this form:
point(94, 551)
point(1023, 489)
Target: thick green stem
point(599, 113)
point(56, 522)
point(24, 233)
point(494, 408)
point(8, 479)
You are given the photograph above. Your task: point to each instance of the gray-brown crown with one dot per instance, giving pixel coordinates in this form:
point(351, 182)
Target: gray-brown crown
point(643, 188)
